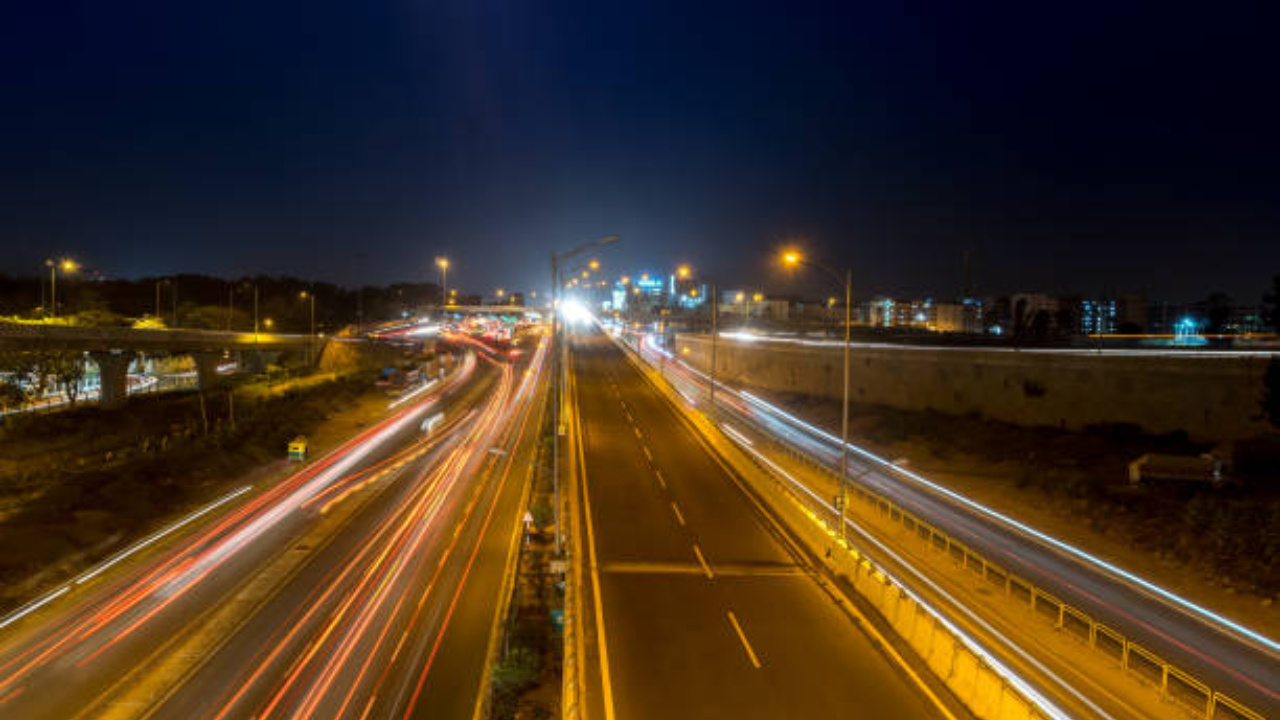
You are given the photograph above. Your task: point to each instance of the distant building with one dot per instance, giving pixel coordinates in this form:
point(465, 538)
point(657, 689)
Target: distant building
point(882, 312)
point(1133, 314)
point(1033, 313)
point(1246, 319)
point(754, 305)
point(958, 317)
point(1099, 317)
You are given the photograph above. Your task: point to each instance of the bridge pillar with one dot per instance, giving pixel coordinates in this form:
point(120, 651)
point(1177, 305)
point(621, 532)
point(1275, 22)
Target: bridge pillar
point(113, 371)
point(253, 361)
point(206, 369)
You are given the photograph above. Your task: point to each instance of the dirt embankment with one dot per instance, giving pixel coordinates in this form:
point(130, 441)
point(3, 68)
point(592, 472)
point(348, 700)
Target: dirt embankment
point(77, 485)
point(1220, 546)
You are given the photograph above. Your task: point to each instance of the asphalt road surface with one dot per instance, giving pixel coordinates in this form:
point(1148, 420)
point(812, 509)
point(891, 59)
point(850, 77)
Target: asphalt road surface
point(1245, 668)
point(707, 610)
point(364, 586)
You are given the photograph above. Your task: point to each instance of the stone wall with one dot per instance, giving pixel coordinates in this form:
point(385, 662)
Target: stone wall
point(1211, 398)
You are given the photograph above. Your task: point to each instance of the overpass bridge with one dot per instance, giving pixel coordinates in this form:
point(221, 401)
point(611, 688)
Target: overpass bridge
point(113, 349)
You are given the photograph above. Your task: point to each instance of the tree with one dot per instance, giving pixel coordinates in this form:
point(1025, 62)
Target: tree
point(11, 394)
point(96, 317)
point(214, 317)
point(1271, 393)
point(1218, 312)
point(1271, 302)
point(66, 368)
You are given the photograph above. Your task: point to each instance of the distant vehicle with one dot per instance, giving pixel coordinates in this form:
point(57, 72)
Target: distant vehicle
point(396, 380)
point(431, 423)
point(1204, 468)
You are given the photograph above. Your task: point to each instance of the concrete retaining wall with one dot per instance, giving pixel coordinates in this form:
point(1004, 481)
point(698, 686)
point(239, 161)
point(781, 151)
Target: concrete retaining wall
point(1212, 398)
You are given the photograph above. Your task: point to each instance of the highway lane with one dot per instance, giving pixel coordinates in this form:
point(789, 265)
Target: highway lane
point(706, 610)
point(1240, 666)
point(332, 595)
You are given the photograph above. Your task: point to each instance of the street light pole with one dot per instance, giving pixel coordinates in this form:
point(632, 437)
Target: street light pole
point(68, 266)
point(555, 397)
point(844, 411)
point(795, 258)
point(715, 334)
point(560, 372)
point(443, 264)
point(311, 339)
point(53, 288)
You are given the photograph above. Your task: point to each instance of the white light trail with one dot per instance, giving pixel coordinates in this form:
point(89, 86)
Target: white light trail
point(1149, 587)
point(1041, 702)
point(102, 567)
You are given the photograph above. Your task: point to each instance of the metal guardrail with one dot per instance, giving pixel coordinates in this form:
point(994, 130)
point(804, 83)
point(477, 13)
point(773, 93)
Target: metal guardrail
point(1172, 683)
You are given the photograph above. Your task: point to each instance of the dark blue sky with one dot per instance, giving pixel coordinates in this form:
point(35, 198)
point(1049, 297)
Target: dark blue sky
point(1077, 147)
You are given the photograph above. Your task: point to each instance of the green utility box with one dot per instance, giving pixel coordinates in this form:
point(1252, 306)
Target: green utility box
point(298, 448)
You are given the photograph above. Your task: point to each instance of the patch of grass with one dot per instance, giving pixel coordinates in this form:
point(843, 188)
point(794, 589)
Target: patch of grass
point(76, 483)
point(1231, 533)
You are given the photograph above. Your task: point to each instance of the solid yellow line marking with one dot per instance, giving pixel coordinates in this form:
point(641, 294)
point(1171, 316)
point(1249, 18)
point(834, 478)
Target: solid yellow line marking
point(743, 637)
point(679, 517)
point(595, 573)
point(703, 561)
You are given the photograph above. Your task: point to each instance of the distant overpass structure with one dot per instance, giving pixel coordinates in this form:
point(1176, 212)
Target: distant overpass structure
point(483, 310)
point(113, 349)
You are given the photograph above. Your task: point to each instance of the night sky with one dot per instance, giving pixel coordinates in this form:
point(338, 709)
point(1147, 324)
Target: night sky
point(1071, 147)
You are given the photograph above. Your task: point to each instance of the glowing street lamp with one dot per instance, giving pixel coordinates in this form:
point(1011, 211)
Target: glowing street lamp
point(443, 264)
point(793, 258)
point(683, 272)
point(559, 368)
point(311, 350)
point(67, 265)
point(594, 264)
point(739, 297)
